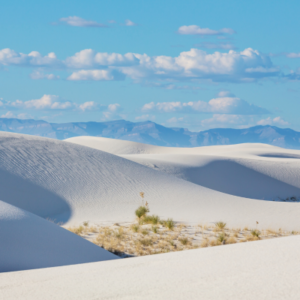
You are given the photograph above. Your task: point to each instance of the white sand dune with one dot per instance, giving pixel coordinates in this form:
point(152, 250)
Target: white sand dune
point(30, 242)
point(263, 270)
point(72, 183)
point(255, 171)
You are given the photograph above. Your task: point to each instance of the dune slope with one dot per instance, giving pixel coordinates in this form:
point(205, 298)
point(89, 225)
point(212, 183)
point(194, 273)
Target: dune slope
point(30, 242)
point(73, 183)
point(263, 270)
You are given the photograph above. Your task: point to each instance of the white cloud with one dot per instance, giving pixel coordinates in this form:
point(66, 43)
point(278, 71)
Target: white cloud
point(145, 118)
point(45, 102)
point(293, 55)
point(129, 23)
point(275, 121)
point(193, 65)
point(196, 30)
point(89, 58)
point(112, 112)
point(87, 105)
point(22, 116)
point(223, 121)
point(80, 22)
point(91, 75)
point(221, 105)
point(41, 75)
point(34, 58)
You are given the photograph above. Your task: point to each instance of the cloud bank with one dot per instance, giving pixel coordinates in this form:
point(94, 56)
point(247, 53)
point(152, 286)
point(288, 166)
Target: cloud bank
point(245, 66)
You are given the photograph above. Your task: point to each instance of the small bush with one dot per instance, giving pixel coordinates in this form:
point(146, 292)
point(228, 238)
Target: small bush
point(86, 224)
point(151, 220)
point(220, 225)
point(144, 232)
point(135, 228)
point(119, 234)
point(145, 242)
point(141, 211)
point(184, 241)
point(155, 229)
point(255, 233)
point(222, 238)
point(169, 224)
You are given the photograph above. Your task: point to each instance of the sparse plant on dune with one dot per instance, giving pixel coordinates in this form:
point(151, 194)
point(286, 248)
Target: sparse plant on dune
point(135, 227)
point(169, 224)
point(146, 242)
point(141, 211)
point(77, 230)
point(151, 219)
point(220, 225)
point(144, 232)
point(86, 224)
point(184, 241)
point(155, 229)
point(222, 238)
point(255, 233)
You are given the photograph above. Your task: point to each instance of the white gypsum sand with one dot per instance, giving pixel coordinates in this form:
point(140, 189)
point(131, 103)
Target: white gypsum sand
point(73, 183)
point(28, 242)
point(263, 270)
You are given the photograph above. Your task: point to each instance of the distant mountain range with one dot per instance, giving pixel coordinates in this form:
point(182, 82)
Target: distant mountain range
point(151, 133)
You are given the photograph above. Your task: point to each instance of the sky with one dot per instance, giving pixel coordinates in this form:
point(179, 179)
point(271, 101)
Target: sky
point(192, 64)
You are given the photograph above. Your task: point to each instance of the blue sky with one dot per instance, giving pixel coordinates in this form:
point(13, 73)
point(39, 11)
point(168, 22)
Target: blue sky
point(194, 64)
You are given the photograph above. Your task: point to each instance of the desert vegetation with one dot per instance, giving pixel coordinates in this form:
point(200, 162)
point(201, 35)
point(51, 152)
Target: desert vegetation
point(151, 235)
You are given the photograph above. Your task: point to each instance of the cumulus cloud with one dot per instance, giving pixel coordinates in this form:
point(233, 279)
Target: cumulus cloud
point(80, 22)
point(221, 105)
point(10, 115)
point(87, 105)
point(196, 30)
point(33, 59)
point(91, 59)
point(40, 75)
point(112, 111)
point(221, 120)
point(91, 75)
point(45, 102)
point(275, 121)
point(193, 65)
point(129, 23)
point(49, 102)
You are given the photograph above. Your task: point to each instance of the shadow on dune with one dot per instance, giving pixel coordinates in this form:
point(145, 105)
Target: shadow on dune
point(33, 198)
point(279, 155)
point(232, 178)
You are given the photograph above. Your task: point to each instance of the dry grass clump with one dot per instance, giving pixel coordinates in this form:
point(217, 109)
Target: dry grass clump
point(151, 235)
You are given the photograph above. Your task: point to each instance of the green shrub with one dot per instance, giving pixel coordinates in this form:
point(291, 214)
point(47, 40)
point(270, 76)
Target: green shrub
point(255, 233)
point(169, 224)
point(184, 241)
point(222, 238)
point(155, 229)
point(220, 225)
point(141, 211)
point(135, 227)
point(151, 219)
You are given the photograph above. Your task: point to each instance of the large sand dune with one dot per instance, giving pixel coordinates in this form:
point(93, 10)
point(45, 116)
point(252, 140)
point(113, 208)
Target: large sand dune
point(28, 242)
point(73, 183)
point(263, 270)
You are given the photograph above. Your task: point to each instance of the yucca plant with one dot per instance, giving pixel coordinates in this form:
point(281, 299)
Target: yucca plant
point(220, 225)
point(141, 211)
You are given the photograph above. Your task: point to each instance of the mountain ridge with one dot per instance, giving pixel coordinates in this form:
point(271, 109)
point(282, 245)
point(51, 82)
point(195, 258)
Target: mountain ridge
point(149, 132)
